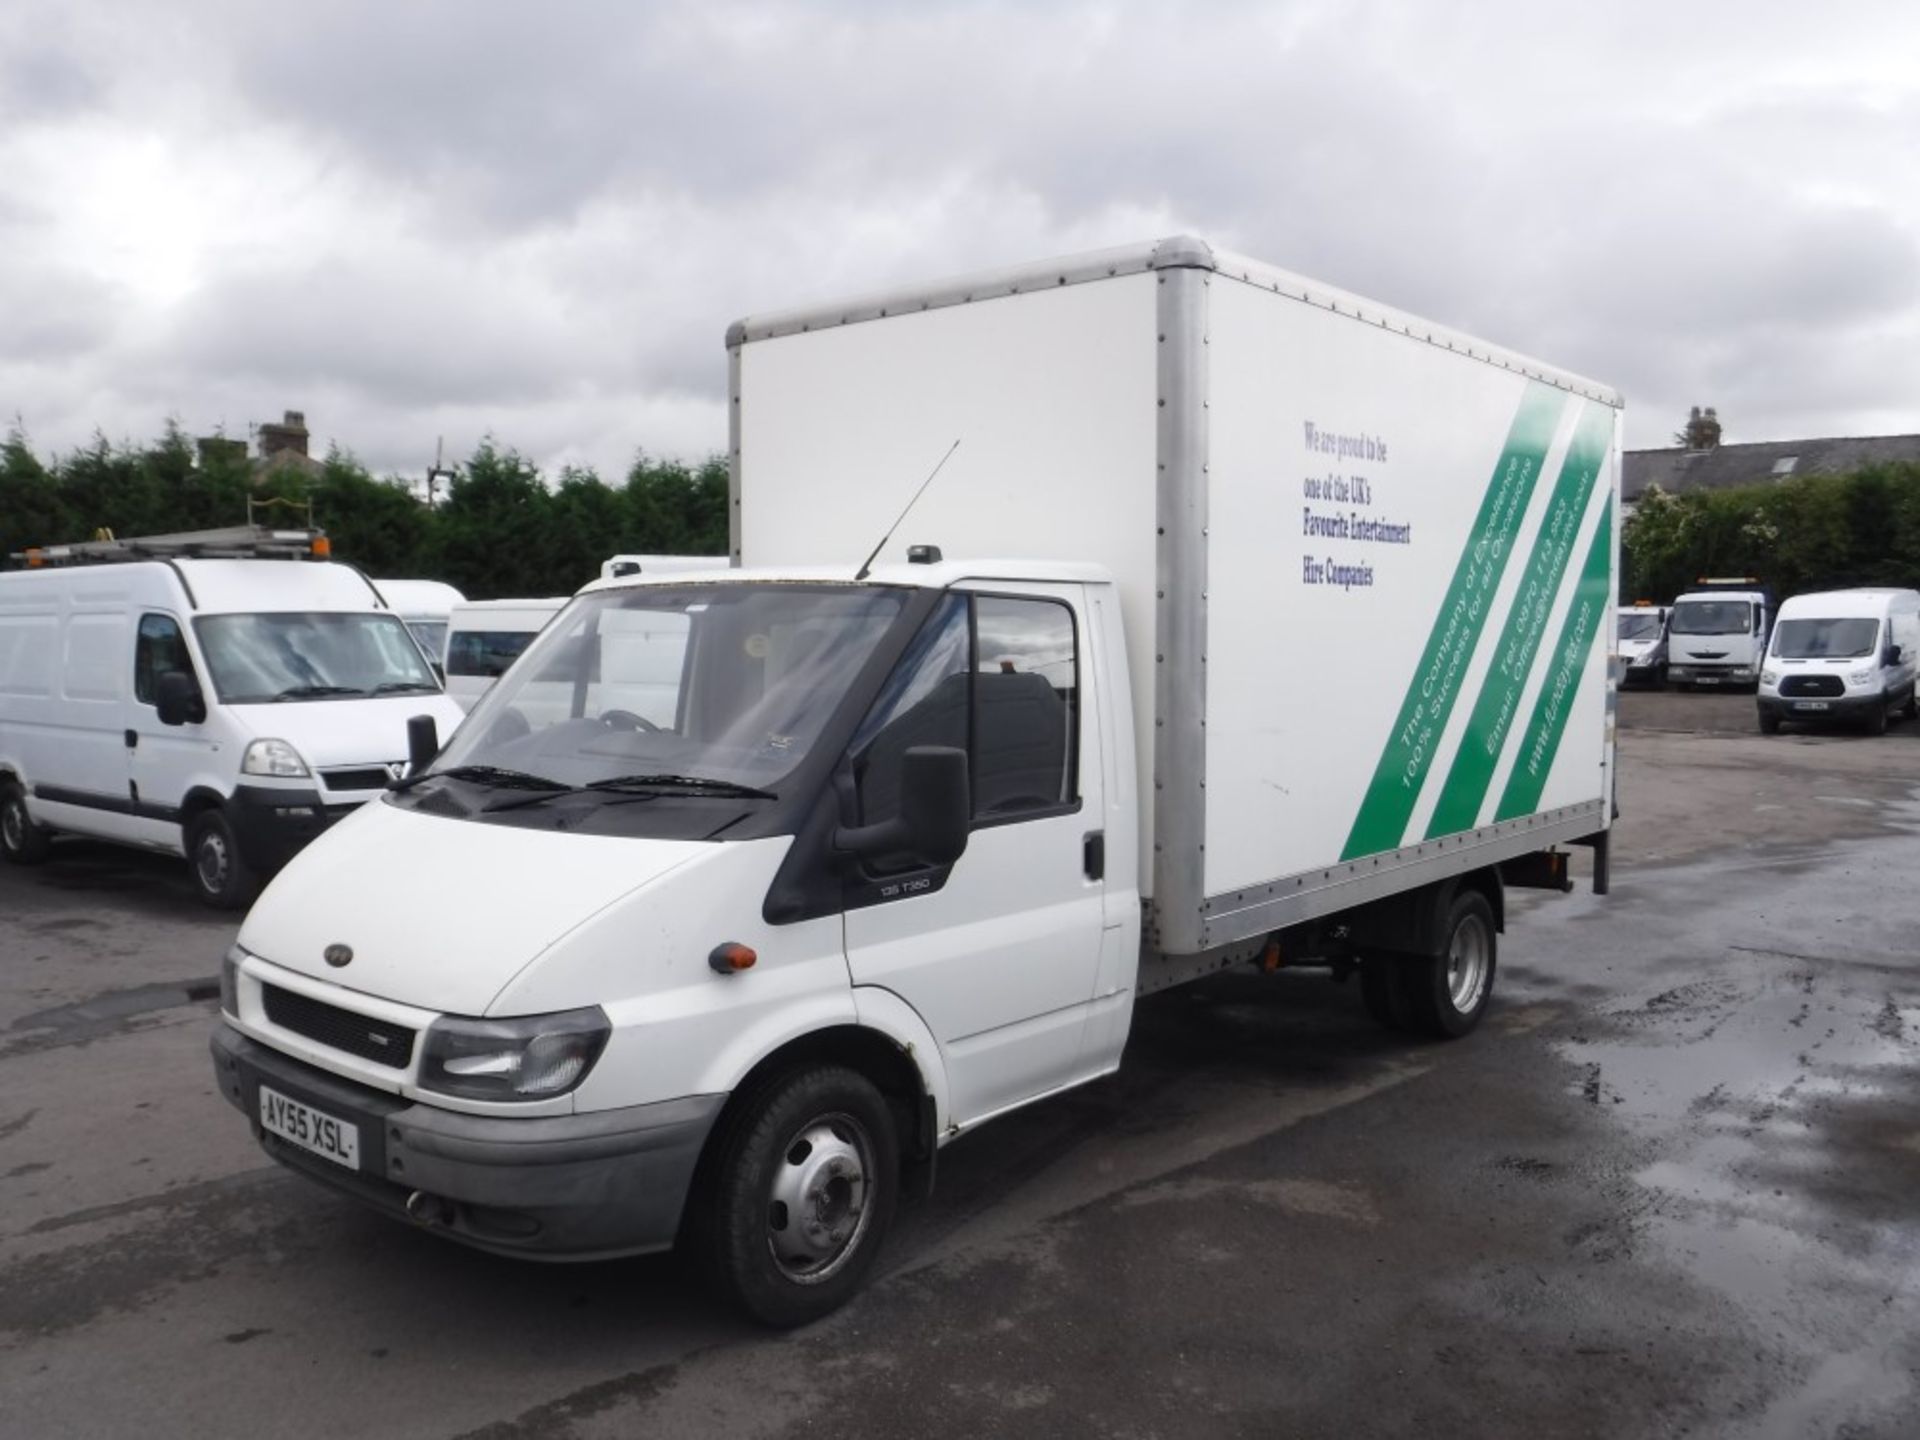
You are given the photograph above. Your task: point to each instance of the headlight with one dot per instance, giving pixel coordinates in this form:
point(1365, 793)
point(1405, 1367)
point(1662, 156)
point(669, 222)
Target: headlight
point(1769, 677)
point(230, 982)
point(273, 757)
point(529, 1058)
point(1861, 677)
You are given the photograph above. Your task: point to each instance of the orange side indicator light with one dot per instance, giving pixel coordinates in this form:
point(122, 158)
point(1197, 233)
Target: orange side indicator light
point(731, 958)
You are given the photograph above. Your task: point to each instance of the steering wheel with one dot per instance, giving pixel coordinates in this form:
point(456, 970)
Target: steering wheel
point(627, 720)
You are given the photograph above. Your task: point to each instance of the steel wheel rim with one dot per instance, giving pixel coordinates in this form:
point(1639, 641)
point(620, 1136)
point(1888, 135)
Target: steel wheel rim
point(211, 862)
point(819, 1202)
point(1467, 964)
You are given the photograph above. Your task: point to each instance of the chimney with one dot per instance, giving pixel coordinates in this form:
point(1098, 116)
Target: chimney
point(289, 436)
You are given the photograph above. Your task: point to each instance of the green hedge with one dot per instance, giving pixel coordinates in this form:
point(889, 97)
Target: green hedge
point(1811, 532)
point(501, 529)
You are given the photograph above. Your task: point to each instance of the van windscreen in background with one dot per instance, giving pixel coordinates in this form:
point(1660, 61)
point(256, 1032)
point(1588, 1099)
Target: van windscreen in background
point(1825, 639)
point(322, 655)
point(432, 635)
point(486, 652)
point(1713, 617)
point(1639, 627)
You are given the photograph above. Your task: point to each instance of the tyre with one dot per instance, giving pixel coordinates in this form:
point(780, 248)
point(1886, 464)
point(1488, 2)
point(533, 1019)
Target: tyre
point(21, 841)
point(1769, 724)
point(800, 1195)
point(220, 876)
point(1912, 709)
point(1446, 994)
point(1877, 718)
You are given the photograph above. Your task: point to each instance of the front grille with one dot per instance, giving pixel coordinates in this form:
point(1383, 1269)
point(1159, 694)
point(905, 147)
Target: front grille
point(380, 1041)
point(1813, 685)
point(368, 777)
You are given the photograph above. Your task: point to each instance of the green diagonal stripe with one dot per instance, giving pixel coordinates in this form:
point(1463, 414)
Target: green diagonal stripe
point(1566, 665)
point(1402, 770)
point(1494, 712)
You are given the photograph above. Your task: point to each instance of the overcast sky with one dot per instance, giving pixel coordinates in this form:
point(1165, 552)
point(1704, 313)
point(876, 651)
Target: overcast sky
point(424, 219)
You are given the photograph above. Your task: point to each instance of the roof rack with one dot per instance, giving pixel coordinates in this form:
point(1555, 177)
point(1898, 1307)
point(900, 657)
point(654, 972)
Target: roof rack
point(236, 542)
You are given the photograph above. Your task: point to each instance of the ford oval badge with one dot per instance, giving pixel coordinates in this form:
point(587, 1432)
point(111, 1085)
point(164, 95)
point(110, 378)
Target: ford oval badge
point(338, 955)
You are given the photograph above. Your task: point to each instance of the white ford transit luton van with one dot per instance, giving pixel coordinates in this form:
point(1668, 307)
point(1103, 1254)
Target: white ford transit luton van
point(1846, 656)
point(226, 709)
point(741, 893)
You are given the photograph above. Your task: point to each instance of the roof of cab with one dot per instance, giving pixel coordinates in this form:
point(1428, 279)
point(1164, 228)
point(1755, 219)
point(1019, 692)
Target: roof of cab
point(1866, 603)
point(939, 576)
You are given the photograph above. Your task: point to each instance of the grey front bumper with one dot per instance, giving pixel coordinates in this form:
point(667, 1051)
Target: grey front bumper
point(558, 1187)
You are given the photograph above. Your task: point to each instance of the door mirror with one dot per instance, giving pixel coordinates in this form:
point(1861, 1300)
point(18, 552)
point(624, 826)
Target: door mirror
point(936, 811)
point(423, 743)
point(1895, 654)
point(177, 698)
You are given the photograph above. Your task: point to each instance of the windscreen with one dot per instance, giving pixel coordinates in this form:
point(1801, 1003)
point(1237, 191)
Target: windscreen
point(1712, 617)
point(486, 652)
point(255, 659)
point(1825, 639)
point(1639, 626)
point(726, 683)
point(432, 635)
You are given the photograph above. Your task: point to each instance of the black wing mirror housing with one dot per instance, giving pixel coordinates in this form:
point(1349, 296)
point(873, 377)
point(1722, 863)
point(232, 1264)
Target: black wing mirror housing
point(936, 811)
point(178, 699)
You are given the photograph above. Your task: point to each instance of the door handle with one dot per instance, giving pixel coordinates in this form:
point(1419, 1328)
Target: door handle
point(1093, 855)
point(133, 740)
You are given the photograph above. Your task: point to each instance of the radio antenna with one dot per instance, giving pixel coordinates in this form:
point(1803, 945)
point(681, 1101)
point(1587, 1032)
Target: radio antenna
point(867, 564)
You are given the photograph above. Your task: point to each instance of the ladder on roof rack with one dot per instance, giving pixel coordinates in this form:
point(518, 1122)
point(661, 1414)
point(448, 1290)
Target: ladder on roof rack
point(252, 541)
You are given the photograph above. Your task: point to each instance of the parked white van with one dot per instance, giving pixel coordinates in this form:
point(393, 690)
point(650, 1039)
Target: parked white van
point(1643, 645)
point(1842, 655)
point(484, 637)
point(425, 606)
point(228, 710)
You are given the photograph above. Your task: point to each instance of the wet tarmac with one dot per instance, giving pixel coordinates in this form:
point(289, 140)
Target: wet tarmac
point(1672, 1187)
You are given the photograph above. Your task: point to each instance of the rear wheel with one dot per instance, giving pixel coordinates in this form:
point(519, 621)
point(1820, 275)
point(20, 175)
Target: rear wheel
point(1446, 994)
point(21, 841)
point(223, 879)
point(801, 1194)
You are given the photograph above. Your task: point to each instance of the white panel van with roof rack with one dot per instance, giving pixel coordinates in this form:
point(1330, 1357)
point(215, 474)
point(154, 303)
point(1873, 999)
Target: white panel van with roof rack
point(225, 709)
point(1842, 656)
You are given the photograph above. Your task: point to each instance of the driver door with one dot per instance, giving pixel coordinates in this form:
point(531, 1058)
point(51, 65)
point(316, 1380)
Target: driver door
point(1000, 954)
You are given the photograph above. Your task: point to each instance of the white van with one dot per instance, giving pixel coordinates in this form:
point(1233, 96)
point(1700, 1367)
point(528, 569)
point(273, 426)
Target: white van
point(484, 637)
point(1842, 655)
point(1643, 645)
point(228, 710)
point(628, 567)
point(425, 606)
point(743, 893)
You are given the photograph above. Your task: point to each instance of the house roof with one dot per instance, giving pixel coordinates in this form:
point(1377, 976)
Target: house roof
point(1677, 470)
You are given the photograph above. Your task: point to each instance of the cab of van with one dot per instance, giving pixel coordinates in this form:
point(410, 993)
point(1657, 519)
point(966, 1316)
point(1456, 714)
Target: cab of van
point(226, 710)
point(1842, 657)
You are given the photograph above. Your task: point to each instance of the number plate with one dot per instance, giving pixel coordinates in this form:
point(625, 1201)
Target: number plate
point(1706, 679)
point(302, 1125)
point(1811, 705)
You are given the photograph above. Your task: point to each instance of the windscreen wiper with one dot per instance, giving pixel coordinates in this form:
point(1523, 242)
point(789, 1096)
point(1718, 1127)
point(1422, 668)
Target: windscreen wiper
point(492, 775)
point(690, 784)
point(302, 692)
point(398, 687)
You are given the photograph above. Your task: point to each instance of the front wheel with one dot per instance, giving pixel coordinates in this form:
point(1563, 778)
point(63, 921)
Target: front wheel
point(21, 841)
point(1769, 724)
point(801, 1195)
point(1446, 994)
point(222, 878)
point(1877, 719)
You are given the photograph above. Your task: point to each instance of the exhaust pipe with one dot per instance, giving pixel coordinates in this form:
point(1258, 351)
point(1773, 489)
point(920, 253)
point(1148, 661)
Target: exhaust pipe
point(429, 1209)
